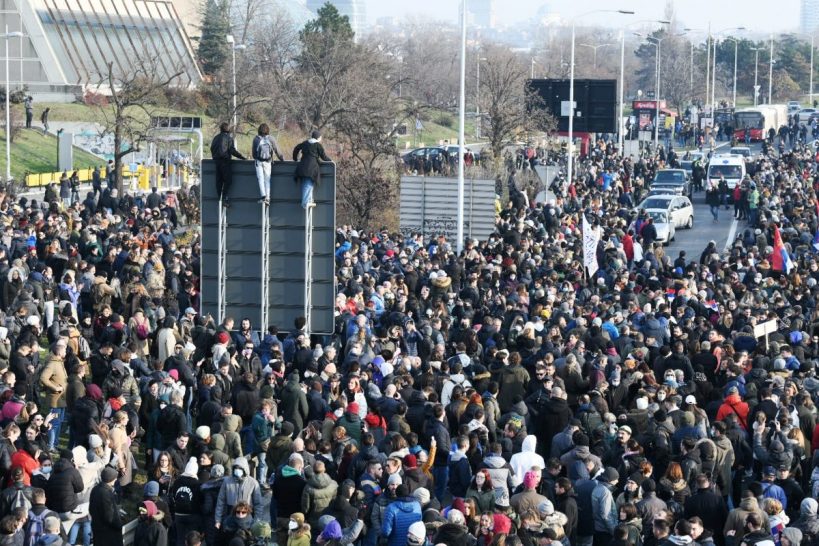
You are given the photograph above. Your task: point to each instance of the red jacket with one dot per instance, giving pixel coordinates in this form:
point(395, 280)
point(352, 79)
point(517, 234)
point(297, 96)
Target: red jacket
point(734, 404)
point(27, 462)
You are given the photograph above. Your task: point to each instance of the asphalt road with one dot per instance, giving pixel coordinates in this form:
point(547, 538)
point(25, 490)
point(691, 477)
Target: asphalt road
point(694, 241)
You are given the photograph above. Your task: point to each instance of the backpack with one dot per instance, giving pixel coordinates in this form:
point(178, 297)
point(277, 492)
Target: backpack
point(35, 527)
point(84, 349)
point(142, 332)
point(264, 150)
point(21, 501)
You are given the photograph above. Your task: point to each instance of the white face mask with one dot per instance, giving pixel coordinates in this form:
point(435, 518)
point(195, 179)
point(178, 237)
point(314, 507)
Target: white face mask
point(292, 525)
point(339, 412)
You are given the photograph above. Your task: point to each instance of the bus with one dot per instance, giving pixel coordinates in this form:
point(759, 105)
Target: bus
point(759, 120)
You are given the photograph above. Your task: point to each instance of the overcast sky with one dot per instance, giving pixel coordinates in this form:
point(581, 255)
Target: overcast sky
point(759, 16)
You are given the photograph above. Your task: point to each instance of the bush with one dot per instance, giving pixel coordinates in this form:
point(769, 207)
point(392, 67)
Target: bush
point(92, 98)
point(444, 120)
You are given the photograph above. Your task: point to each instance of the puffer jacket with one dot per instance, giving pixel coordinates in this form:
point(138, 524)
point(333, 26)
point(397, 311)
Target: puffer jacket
point(318, 494)
point(398, 517)
point(499, 471)
point(64, 487)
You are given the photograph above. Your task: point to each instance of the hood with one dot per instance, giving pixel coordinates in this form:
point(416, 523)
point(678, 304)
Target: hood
point(217, 442)
point(288, 471)
point(457, 455)
point(407, 505)
point(494, 461)
point(733, 399)
point(457, 378)
point(529, 444)
point(680, 540)
point(241, 462)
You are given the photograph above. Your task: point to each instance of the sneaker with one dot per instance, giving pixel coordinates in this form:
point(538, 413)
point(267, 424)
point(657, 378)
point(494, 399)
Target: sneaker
point(266, 200)
point(311, 204)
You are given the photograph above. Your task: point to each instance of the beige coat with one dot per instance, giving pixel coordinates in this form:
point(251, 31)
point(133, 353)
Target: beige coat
point(53, 381)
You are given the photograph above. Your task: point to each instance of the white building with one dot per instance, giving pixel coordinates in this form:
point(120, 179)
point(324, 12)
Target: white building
point(809, 16)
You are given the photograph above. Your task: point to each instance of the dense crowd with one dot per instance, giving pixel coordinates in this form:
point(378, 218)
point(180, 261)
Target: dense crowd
point(499, 396)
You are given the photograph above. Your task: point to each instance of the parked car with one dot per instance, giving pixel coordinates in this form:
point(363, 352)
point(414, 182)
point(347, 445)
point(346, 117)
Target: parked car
point(412, 158)
point(793, 106)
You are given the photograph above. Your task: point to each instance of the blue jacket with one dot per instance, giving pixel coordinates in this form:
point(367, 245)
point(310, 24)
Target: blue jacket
point(460, 474)
point(398, 517)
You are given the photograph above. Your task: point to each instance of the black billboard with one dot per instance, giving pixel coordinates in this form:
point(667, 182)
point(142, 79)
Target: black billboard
point(596, 100)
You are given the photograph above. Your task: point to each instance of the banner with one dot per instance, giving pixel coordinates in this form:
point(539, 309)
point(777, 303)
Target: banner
point(590, 240)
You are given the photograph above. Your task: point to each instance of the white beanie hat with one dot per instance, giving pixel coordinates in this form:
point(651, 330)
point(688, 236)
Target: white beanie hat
point(192, 468)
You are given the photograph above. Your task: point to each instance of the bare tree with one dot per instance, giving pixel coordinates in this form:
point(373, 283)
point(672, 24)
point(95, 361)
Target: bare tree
point(135, 96)
point(510, 111)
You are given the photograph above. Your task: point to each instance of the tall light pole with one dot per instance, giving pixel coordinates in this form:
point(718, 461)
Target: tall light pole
point(770, 74)
point(570, 148)
point(7, 36)
point(622, 74)
point(532, 75)
point(756, 50)
point(461, 141)
point(478, 98)
point(233, 47)
point(595, 48)
point(714, 71)
point(810, 85)
point(736, 47)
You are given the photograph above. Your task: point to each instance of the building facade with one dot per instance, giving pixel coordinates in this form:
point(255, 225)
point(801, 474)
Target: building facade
point(71, 45)
point(809, 16)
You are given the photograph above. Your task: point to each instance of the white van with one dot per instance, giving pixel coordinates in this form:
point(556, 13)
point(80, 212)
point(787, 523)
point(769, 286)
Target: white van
point(732, 167)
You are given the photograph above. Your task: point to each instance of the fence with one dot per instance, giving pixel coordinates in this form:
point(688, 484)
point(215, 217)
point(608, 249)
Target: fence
point(143, 175)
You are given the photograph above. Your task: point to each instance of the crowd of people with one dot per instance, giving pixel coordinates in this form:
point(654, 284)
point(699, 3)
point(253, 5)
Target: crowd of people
point(497, 396)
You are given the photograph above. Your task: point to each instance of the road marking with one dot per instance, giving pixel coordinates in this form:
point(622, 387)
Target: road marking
point(731, 234)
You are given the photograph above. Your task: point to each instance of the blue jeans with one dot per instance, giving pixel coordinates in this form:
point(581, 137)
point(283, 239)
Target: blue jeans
point(715, 211)
point(441, 476)
point(56, 426)
point(86, 532)
point(307, 185)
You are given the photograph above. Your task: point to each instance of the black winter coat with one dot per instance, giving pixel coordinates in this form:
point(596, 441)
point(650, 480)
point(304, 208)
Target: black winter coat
point(311, 152)
point(150, 532)
point(171, 423)
point(84, 416)
point(63, 487)
point(106, 524)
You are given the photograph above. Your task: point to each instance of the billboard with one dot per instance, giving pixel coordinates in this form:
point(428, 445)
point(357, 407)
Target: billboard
point(595, 103)
point(243, 286)
point(429, 205)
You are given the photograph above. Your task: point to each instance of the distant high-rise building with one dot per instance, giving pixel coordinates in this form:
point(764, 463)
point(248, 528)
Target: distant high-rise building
point(809, 16)
point(356, 10)
point(482, 13)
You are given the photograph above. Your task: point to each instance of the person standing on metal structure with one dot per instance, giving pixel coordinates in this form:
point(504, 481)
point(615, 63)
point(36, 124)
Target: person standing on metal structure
point(222, 148)
point(307, 171)
point(264, 148)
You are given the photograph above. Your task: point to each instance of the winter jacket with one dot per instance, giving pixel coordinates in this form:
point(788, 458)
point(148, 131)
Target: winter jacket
point(234, 490)
point(523, 462)
point(604, 510)
point(185, 496)
point(512, 381)
point(64, 487)
point(150, 532)
point(736, 518)
point(293, 407)
point(53, 382)
point(460, 474)
point(734, 404)
point(500, 472)
point(318, 494)
point(106, 525)
point(400, 514)
point(288, 489)
point(311, 151)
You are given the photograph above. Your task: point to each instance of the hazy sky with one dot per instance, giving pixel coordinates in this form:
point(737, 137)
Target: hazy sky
point(759, 16)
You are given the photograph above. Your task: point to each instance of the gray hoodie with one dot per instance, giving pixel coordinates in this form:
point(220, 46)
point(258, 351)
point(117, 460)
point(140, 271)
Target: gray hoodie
point(235, 489)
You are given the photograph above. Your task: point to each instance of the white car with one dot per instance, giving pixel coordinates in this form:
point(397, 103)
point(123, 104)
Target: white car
point(793, 106)
point(669, 212)
point(804, 114)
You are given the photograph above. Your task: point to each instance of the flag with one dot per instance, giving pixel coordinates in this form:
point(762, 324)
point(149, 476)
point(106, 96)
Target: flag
point(591, 236)
point(712, 305)
point(780, 259)
point(816, 240)
point(670, 293)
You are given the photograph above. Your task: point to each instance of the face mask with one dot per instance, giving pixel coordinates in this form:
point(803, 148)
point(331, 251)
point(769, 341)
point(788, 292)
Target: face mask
point(239, 473)
point(339, 412)
point(293, 525)
point(45, 469)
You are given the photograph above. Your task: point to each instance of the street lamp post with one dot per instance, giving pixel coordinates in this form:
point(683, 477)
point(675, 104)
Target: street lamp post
point(8, 35)
point(736, 47)
point(478, 98)
point(570, 148)
point(810, 85)
point(233, 47)
point(532, 75)
point(770, 74)
point(756, 51)
point(459, 244)
point(595, 48)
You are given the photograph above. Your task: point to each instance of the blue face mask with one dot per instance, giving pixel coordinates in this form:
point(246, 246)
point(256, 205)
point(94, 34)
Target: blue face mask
point(45, 469)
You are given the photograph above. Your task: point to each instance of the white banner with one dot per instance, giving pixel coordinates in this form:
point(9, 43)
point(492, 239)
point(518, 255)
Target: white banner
point(590, 240)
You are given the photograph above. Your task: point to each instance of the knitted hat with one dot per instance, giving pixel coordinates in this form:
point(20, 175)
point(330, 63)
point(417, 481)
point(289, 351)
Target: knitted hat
point(109, 474)
point(422, 495)
point(203, 432)
point(332, 531)
point(529, 480)
point(192, 468)
point(546, 507)
point(217, 471)
point(93, 392)
point(94, 441)
point(808, 507)
point(793, 535)
point(456, 516)
point(174, 374)
point(222, 338)
point(417, 533)
point(352, 407)
point(298, 517)
point(80, 456)
point(151, 489)
point(51, 525)
point(395, 479)
point(410, 461)
point(148, 508)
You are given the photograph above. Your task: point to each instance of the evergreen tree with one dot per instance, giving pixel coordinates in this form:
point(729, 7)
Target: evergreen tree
point(213, 47)
point(322, 37)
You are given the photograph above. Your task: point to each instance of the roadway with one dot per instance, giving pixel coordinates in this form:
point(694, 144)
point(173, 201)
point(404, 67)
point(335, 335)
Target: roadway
point(724, 232)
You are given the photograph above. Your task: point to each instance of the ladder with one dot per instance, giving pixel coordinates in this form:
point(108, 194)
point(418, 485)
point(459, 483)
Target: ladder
point(308, 267)
point(221, 292)
point(265, 266)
